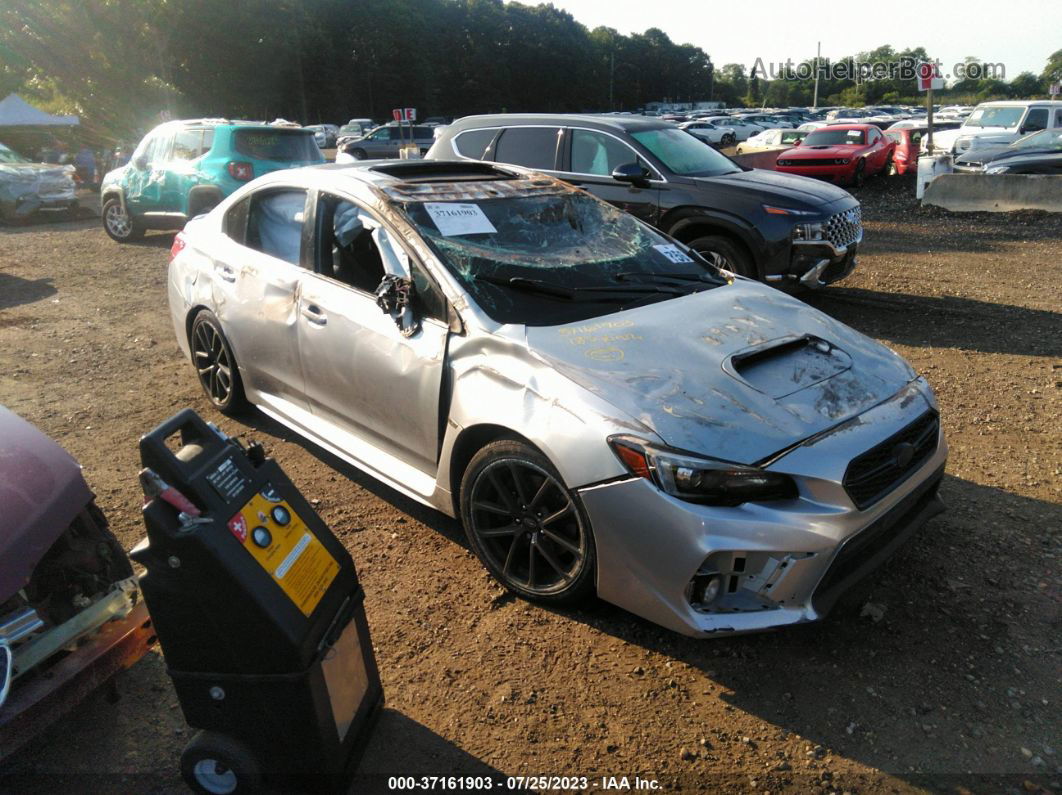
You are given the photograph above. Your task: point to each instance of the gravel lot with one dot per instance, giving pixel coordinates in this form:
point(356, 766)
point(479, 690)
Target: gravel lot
point(940, 673)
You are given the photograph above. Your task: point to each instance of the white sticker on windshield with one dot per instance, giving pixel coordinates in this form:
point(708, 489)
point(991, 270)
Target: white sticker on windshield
point(673, 252)
point(454, 219)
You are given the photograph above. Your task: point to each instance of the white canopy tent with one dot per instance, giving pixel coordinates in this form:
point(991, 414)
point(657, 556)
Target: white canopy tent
point(16, 112)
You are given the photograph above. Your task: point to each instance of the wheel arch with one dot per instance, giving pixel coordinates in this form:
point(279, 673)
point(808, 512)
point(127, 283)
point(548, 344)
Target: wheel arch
point(200, 195)
point(689, 225)
point(114, 192)
point(470, 441)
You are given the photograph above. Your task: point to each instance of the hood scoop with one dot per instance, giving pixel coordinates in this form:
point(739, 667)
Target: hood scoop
point(781, 367)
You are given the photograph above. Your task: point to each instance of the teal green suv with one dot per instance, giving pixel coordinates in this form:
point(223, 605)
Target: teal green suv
point(184, 168)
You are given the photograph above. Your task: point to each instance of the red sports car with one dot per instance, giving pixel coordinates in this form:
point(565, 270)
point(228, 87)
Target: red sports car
point(844, 153)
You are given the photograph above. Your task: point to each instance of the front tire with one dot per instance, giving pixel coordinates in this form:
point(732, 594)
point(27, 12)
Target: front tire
point(215, 364)
point(526, 526)
point(215, 764)
point(118, 224)
point(358, 154)
point(859, 176)
point(724, 253)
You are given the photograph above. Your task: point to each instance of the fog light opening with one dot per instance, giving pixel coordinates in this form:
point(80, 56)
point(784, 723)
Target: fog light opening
point(703, 590)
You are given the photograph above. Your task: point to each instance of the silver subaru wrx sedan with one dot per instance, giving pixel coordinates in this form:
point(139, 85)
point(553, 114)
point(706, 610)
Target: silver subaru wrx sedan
point(604, 410)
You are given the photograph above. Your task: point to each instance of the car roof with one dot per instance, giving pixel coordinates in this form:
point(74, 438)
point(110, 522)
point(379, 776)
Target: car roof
point(440, 180)
point(861, 127)
point(613, 123)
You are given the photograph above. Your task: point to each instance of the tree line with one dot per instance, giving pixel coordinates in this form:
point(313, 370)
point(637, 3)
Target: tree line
point(123, 64)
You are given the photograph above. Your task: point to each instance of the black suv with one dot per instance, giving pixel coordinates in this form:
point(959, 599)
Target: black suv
point(779, 228)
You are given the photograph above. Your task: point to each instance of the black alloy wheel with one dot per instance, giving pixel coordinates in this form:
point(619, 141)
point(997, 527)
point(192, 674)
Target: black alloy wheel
point(215, 364)
point(525, 526)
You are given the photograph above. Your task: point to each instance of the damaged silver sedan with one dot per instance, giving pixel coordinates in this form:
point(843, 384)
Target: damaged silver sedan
point(27, 187)
point(605, 411)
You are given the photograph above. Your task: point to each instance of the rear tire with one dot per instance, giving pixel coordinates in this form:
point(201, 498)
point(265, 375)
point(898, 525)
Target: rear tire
point(215, 365)
point(722, 252)
point(117, 222)
point(525, 526)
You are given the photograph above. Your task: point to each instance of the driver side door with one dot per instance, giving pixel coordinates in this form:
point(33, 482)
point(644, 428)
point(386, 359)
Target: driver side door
point(375, 387)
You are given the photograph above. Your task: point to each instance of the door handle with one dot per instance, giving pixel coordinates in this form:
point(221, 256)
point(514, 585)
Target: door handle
point(313, 313)
point(225, 272)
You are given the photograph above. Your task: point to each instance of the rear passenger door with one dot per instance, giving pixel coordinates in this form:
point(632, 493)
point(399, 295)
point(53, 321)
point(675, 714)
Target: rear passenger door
point(589, 158)
point(257, 275)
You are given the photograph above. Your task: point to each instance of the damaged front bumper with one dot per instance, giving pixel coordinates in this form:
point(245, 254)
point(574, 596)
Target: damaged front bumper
point(703, 570)
point(20, 199)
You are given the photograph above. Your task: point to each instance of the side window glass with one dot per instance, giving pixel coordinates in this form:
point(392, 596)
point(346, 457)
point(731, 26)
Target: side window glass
point(531, 147)
point(187, 144)
point(1036, 120)
point(161, 149)
point(428, 301)
point(916, 137)
point(597, 153)
point(346, 250)
point(1058, 118)
point(474, 143)
point(274, 224)
point(235, 223)
point(395, 134)
point(208, 141)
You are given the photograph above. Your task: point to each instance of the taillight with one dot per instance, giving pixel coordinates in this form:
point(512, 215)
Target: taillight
point(241, 170)
point(178, 244)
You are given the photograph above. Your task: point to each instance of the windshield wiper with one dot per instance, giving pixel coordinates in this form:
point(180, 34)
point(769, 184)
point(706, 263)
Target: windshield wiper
point(605, 292)
point(705, 277)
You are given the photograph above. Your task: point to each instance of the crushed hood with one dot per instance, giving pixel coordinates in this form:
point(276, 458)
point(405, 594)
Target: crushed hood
point(33, 171)
point(41, 491)
point(738, 372)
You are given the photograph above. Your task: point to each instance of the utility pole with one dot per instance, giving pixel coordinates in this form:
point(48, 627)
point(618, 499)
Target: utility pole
point(818, 54)
point(611, 78)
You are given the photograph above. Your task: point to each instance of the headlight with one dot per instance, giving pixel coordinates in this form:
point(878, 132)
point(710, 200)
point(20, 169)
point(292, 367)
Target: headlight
point(997, 169)
point(807, 232)
point(701, 480)
point(772, 210)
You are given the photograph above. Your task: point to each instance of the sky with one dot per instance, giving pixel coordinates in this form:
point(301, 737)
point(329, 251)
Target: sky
point(1021, 34)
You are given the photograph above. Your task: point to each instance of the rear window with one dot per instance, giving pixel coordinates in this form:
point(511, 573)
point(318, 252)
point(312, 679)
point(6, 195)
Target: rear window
point(282, 146)
point(531, 147)
point(474, 143)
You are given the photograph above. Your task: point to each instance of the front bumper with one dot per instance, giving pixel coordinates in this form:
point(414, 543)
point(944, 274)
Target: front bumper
point(795, 557)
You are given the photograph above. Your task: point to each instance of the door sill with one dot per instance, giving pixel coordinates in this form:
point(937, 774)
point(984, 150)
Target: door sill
point(383, 466)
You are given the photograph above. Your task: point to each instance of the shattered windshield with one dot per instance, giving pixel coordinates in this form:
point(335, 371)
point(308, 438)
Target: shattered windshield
point(684, 154)
point(556, 258)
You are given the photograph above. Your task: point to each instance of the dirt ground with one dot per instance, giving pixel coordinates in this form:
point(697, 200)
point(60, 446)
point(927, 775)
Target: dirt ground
point(940, 673)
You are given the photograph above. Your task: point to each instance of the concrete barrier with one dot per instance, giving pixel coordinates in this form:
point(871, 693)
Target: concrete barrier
point(767, 160)
point(995, 193)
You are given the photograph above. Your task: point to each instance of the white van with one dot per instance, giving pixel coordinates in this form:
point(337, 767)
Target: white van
point(998, 123)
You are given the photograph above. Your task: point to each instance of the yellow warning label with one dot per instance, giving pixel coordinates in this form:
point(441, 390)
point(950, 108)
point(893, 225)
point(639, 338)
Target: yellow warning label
point(285, 547)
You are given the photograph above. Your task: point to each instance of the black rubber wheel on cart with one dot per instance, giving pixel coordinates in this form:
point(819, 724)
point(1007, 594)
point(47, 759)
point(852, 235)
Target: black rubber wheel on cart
point(215, 764)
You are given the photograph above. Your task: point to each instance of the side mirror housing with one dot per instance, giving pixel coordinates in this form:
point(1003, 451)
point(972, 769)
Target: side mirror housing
point(632, 173)
point(141, 163)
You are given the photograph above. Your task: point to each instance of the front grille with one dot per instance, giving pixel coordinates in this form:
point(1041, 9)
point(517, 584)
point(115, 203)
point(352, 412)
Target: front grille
point(862, 552)
point(878, 471)
point(844, 228)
